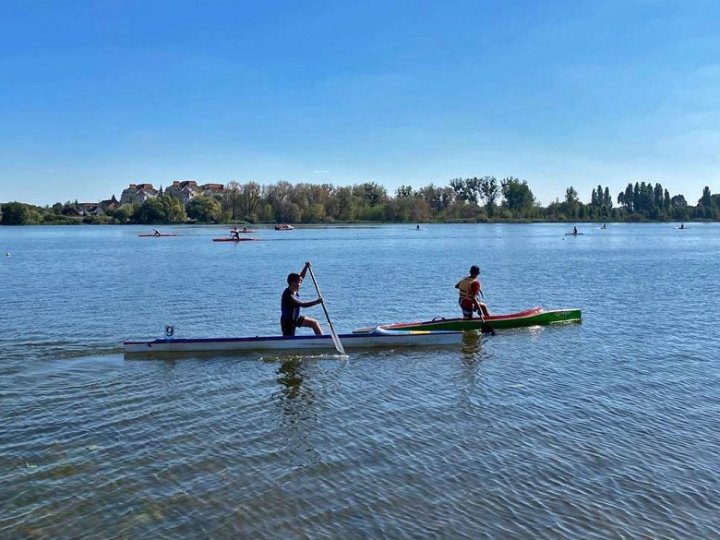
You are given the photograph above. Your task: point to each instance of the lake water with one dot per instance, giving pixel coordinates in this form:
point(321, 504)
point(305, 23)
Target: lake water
point(605, 429)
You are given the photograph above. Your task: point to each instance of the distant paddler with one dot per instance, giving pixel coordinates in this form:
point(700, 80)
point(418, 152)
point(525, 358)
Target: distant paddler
point(469, 288)
point(234, 233)
point(156, 232)
point(290, 305)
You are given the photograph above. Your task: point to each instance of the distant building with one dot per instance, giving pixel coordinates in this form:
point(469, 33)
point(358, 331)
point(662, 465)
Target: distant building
point(212, 189)
point(89, 209)
point(110, 204)
point(184, 190)
point(138, 194)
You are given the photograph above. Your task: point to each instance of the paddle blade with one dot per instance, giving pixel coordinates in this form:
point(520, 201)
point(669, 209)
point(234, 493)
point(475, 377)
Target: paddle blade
point(487, 329)
point(336, 341)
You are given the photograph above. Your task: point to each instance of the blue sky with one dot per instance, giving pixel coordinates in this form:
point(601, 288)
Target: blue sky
point(95, 95)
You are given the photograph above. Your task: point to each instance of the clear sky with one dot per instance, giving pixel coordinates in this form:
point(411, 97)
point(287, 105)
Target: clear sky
point(96, 94)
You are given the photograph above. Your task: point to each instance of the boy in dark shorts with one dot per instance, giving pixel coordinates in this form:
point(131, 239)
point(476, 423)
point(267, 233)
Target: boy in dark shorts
point(290, 305)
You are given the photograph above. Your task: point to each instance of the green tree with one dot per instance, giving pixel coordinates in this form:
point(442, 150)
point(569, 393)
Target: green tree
point(150, 212)
point(490, 193)
point(121, 214)
point(463, 190)
point(373, 193)
point(572, 201)
point(404, 192)
point(17, 213)
point(706, 200)
point(517, 196)
point(174, 208)
point(250, 198)
point(204, 209)
point(626, 199)
point(161, 209)
point(231, 200)
point(607, 201)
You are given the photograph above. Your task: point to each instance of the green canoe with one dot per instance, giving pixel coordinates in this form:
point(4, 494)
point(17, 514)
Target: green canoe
point(536, 316)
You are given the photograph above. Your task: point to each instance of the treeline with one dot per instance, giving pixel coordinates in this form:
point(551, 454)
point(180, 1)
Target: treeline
point(463, 200)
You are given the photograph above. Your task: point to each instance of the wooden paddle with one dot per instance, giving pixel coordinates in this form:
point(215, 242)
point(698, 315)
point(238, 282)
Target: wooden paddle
point(335, 338)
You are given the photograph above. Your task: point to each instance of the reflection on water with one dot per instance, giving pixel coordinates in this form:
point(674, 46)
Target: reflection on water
point(472, 346)
point(297, 403)
point(290, 377)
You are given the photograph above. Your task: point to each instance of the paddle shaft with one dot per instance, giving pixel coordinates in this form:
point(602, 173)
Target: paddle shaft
point(335, 338)
point(485, 327)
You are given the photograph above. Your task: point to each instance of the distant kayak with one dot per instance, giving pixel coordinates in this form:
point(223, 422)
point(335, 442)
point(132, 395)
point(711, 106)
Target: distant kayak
point(149, 235)
point(234, 239)
point(573, 234)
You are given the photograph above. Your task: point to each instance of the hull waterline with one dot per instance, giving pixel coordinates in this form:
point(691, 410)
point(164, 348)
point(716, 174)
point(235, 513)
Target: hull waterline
point(376, 339)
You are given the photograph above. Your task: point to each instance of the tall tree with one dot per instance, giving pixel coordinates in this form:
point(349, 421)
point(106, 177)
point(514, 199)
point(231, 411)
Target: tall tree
point(572, 201)
point(404, 192)
point(517, 195)
point(706, 199)
point(490, 193)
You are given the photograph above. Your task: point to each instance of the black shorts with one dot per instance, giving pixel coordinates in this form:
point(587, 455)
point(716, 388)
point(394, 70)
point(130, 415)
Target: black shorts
point(288, 325)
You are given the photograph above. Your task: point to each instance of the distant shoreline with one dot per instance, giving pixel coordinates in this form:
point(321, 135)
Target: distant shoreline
point(338, 224)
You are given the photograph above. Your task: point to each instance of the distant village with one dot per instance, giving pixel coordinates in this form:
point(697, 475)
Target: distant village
point(136, 194)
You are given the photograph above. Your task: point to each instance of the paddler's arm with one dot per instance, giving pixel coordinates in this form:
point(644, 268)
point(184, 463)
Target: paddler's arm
point(311, 304)
point(477, 290)
point(305, 269)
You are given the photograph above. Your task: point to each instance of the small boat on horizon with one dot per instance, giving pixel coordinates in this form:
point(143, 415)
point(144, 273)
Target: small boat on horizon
point(155, 234)
point(284, 227)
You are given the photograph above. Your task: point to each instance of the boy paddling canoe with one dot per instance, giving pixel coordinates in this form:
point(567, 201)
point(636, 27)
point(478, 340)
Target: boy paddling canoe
point(290, 305)
point(469, 288)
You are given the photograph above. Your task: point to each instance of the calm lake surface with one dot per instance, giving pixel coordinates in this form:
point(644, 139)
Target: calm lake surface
point(606, 429)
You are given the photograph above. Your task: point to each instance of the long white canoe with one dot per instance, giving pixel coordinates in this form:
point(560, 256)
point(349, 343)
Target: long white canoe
point(374, 339)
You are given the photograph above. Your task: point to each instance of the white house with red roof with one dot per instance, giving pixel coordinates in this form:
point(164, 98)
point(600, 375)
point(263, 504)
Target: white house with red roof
point(138, 194)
